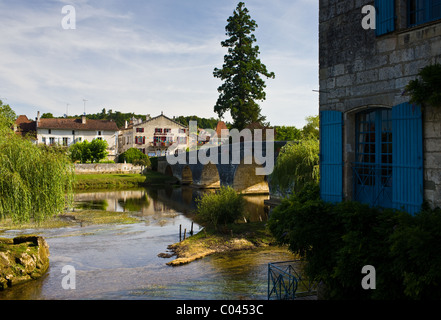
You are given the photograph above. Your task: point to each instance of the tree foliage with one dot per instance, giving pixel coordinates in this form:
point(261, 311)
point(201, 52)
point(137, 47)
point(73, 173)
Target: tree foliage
point(297, 164)
point(7, 115)
point(287, 133)
point(135, 156)
point(205, 123)
point(34, 181)
point(89, 151)
point(426, 89)
point(241, 71)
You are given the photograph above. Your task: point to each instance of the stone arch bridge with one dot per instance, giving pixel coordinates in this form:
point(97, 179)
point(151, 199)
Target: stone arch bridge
point(235, 165)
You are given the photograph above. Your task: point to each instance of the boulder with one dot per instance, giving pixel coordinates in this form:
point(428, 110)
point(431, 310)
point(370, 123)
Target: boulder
point(22, 259)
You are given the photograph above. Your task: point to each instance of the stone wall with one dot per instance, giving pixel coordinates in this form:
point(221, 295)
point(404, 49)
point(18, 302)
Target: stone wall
point(89, 168)
point(358, 70)
point(432, 155)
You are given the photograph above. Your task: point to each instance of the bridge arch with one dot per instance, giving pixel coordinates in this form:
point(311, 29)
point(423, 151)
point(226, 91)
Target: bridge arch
point(187, 175)
point(168, 171)
point(210, 176)
point(246, 181)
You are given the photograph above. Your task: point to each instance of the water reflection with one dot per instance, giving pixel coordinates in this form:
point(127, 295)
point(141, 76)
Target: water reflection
point(121, 261)
point(150, 201)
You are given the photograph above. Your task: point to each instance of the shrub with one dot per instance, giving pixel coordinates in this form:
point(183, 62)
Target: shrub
point(426, 89)
point(337, 240)
point(220, 208)
point(132, 155)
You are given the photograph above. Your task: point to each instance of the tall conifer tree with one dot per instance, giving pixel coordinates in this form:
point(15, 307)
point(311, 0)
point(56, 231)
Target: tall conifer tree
point(241, 72)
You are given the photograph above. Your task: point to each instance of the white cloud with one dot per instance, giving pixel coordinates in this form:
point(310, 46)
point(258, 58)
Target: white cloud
point(133, 57)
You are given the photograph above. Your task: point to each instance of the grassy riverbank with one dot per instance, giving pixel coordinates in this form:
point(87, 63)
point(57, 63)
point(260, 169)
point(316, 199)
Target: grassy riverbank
point(120, 181)
point(235, 237)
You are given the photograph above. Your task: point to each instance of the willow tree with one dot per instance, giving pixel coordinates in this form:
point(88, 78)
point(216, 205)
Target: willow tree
point(297, 165)
point(243, 85)
point(35, 183)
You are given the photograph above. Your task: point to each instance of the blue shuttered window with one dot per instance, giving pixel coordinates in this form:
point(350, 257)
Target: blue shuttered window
point(331, 156)
point(421, 11)
point(407, 154)
point(385, 10)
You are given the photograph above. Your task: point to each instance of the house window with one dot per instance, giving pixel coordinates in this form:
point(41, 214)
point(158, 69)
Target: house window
point(139, 129)
point(65, 142)
point(372, 170)
point(51, 141)
point(49, 131)
point(73, 132)
point(421, 11)
point(43, 140)
point(99, 133)
point(167, 130)
point(158, 130)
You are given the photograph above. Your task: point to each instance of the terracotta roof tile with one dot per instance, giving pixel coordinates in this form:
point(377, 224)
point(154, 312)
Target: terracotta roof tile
point(76, 124)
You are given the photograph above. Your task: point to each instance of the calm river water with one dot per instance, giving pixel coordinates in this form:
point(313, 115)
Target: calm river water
point(121, 262)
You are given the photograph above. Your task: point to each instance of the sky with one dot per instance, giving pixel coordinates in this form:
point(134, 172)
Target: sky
point(151, 56)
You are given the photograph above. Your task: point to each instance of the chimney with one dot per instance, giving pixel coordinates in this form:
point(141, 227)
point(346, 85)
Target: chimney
point(83, 119)
point(37, 119)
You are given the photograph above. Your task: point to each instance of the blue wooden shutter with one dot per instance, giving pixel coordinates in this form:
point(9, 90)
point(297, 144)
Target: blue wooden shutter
point(407, 157)
point(331, 156)
point(385, 16)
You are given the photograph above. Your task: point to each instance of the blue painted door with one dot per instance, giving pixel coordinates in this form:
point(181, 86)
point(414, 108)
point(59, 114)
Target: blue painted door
point(331, 156)
point(372, 170)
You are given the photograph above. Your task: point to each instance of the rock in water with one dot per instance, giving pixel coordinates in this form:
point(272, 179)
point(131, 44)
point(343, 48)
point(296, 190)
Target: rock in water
point(22, 259)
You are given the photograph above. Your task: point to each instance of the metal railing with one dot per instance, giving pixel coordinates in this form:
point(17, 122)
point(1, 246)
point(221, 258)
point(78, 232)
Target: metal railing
point(286, 282)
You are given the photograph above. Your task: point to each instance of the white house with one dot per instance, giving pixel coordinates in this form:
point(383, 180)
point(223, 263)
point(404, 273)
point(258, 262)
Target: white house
point(66, 132)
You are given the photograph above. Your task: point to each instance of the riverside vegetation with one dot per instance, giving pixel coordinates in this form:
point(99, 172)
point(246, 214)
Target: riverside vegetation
point(220, 213)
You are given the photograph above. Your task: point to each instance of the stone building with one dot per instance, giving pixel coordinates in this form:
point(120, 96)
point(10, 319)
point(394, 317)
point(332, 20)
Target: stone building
point(153, 136)
point(376, 147)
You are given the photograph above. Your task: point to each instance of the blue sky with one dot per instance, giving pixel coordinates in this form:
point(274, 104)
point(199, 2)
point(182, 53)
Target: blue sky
point(151, 56)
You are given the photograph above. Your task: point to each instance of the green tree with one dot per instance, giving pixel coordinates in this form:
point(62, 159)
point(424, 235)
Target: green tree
point(133, 155)
point(98, 150)
point(286, 133)
point(8, 115)
point(47, 115)
point(89, 151)
point(34, 181)
point(311, 129)
point(80, 151)
point(297, 165)
point(241, 72)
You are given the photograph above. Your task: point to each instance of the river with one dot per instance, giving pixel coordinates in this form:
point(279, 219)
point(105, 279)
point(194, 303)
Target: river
point(121, 261)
